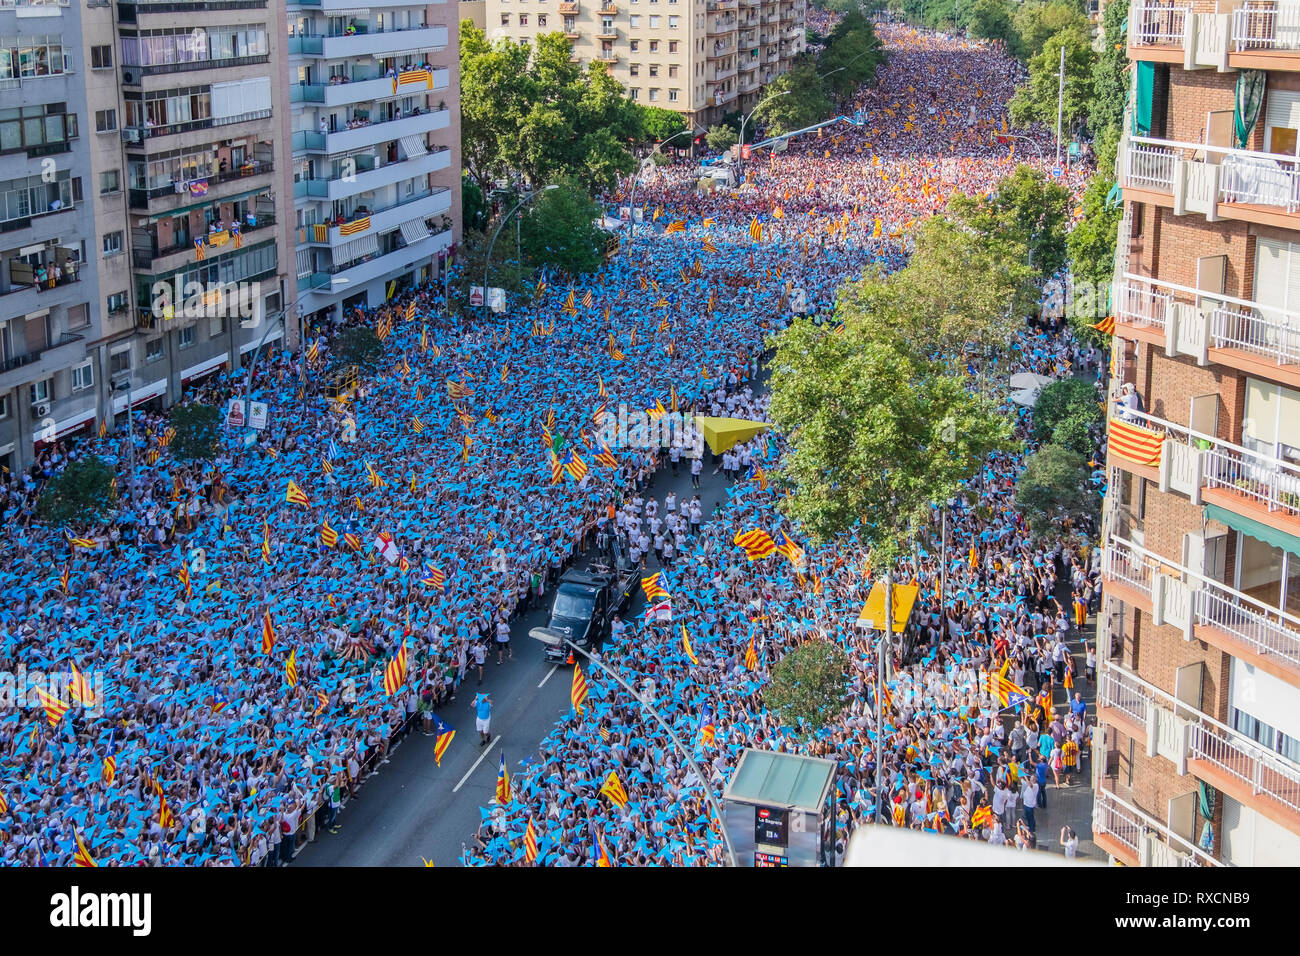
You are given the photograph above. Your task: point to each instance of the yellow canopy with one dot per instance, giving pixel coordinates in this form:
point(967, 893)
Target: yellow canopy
point(724, 433)
point(873, 612)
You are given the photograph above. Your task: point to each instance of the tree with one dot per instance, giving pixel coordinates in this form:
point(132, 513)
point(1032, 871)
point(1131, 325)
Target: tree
point(1091, 244)
point(198, 431)
point(356, 345)
point(506, 271)
point(1061, 400)
point(660, 123)
point(560, 231)
point(1055, 488)
point(851, 56)
point(494, 90)
point(1035, 22)
point(81, 493)
point(878, 430)
point(1037, 99)
point(808, 685)
point(1028, 207)
point(803, 104)
point(991, 20)
point(1110, 82)
point(474, 207)
point(720, 138)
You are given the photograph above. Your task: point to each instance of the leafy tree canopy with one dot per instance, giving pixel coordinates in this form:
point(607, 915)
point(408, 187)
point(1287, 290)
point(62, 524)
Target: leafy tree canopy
point(807, 688)
point(198, 430)
point(1055, 490)
point(83, 492)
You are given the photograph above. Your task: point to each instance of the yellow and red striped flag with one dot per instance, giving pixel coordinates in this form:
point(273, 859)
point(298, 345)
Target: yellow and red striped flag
point(268, 632)
point(755, 230)
point(54, 708)
point(751, 656)
point(578, 689)
point(395, 672)
point(757, 543)
point(291, 669)
point(613, 788)
point(80, 687)
point(328, 536)
point(83, 858)
point(530, 843)
point(686, 645)
point(1134, 443)
point(295, 495)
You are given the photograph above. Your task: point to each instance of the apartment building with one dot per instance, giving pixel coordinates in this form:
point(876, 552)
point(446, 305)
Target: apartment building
point(50, 315)
point(701, 58)
point(376, 148)
point(1199, 639)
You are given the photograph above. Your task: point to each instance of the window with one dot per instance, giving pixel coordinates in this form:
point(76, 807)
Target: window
point(117, 302)
point(40, 391)
point(654, 23)
point(153, 350)
point(654, 46)
point(541, 20)
point(523, 19)
point(31, 127)
point(672, 96)
point(672, 69)
point(101, 57)
point(83, 376)
point(216, 326)
point(505, 19)
point(105, 121)
point(112, 243)
point(33, 196)
point(654, 69)
point(119, 363)
point(634, 22)
point(654, 95)
point(672, 48)
point(175, 45)
point(672, 25)
point(570, 25)
point(33, 56)
point(634, 93)
point(4, 406)
point(185, 338)
point(110, 181)
point(634, 69)
point(634, 45)
point(78, 316)
point(607, 25)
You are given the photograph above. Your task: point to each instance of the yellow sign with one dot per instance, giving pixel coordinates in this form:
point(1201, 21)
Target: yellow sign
point(873, 612)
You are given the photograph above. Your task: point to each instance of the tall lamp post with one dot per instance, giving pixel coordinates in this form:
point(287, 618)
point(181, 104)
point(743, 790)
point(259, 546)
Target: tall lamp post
point(636, 178)
point(130, 432)
point(487, 260)
point(257, 352)
point(548, 636)
point(745, 120)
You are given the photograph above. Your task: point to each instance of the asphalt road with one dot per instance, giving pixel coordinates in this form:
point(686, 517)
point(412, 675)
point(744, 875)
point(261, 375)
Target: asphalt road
point(412, 809)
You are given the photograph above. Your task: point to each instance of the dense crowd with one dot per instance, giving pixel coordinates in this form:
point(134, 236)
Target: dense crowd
point(244, 638)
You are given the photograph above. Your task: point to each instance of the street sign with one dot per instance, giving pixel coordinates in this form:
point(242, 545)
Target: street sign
point(257, 413)
point(1057, 171)
point(745, 151)
point(235, 413)
point(1074, 151)
point(249, 438)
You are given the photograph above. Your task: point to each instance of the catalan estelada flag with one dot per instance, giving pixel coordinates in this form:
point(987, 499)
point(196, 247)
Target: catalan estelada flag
point(675, 226)
point(109, 771)
point(81, 542)
point(652, 587)
point(64, 578)
point(707, 734)
point(503, 782)
point(757, 543)
point(755, 230)
point(530, 843)
point(83, 857)
point(575, 466)
point(605, 457)
point(322, 703)
point(792, 551)
point(395, 672)
point(602, 858)
point(1134, 443)
point(291, 669)
point(295, 495)
point(578, 690)
point(445, 735)
point(686, 645)
point(433, 577)
point(268, 632)
point(613, 788)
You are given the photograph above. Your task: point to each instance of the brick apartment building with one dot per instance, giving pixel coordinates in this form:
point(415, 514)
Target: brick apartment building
point(1199, 676)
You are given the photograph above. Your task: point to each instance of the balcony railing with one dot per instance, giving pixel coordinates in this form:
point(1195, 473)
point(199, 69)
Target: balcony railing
point(1158, 24)
point(1265, 630)
point(18, 361)
point(1239, 176)
point(144, 258)
point(139, 198)
point(1266, 25)
point(136, 134)
point(1146, 839)
point(158, 69)
point(1149, 167)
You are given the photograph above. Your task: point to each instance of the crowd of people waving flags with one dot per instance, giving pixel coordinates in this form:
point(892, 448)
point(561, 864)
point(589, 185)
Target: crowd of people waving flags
point(246, 636)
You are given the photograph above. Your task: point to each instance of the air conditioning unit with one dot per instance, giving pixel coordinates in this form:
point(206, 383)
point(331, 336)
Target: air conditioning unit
point(41, 409)
point(130, 77)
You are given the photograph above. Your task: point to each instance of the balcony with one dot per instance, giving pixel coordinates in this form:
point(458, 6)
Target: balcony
point(607, 34)
point(1198, 744)
point(608, 57)
point(248, 173)
point(139, 134)
point(720, 27)
point(41, 363)
point(371, 134)
point(609, 9)
point(360, 91)
point(1254, 34)
point(132, 73)
point(1211, 327)
point(150, 258)
point(379, 221)
point(1136, 838)
point(568, 9)
point(722, 73)
point(130, 12)
point(372, 179)
point(23, 297)
point(397, 44)
point(1204, 609)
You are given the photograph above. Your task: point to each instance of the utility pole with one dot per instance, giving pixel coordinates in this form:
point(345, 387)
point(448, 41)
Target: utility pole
point(1060, 105)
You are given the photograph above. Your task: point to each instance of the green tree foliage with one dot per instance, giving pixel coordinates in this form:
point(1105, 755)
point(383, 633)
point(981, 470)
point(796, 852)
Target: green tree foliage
point(81, 493)
point(1036, 21)
point(506, 271)
point(854, 47)
point(532, 110)
point(879, 430)
point(560, 231)
point(198, 431)
point(1055, 489)
point(1110, 82)
point(473, 205)
point(661, 124)
point(992, 20)
point(720, 138)
point(804, 103)
point(1091, 243)
point(1069, 397)
point(808, 685)
point(356, 345)
point(1029, 208)
point(1037, 99)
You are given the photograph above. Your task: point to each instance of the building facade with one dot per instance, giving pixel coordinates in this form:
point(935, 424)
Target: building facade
point(376, 148)
point(1199, 638)
point(701, 58)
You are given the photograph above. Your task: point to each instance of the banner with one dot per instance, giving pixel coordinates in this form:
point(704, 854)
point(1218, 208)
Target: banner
point(1134, 443)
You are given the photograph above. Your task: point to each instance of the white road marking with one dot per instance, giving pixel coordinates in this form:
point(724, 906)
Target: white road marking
point(548, 676)
point(476, 763)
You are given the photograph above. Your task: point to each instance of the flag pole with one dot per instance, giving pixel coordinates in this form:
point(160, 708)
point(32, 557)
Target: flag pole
point(704, 781)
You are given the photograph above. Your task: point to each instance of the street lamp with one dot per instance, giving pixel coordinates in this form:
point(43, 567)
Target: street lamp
point(553, 638)
point(130, 430)
point(257, 352)
point(487, 260)
point(745, 120)
point(636, 178)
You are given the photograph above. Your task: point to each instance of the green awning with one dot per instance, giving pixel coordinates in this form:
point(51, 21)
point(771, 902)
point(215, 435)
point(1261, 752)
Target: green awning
point(1256, 529)
point(1146, 86)
point(204, 203)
